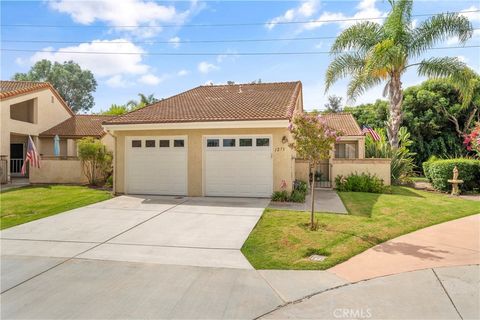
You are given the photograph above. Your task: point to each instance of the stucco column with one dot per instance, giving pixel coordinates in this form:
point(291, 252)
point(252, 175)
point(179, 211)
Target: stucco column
point(71, 148)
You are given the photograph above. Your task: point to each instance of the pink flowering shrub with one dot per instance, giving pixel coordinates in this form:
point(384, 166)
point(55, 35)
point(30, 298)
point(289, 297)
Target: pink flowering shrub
point(472, 140)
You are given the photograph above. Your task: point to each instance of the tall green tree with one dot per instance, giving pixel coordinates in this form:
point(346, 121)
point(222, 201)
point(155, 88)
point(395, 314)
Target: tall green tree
point(374, 114)
point(116, 110)
point(334, 104)
point(374, 53)
point(75, 85)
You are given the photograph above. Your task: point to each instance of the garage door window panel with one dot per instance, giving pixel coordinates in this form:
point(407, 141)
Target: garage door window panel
point(150, 143)
point(213, 143)
point(246, 142)
point(136, 143)
point(263, 142)
point(164, 143)
point(229, 142)
point(178, 143)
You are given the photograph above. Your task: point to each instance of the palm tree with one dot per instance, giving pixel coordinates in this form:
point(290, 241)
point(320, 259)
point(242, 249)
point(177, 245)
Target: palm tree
point(373, 53)
point(144, 101)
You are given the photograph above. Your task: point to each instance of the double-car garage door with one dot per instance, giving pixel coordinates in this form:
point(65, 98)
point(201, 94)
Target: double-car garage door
point(239, 166)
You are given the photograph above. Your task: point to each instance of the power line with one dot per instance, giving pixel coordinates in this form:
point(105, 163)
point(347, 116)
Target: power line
point(222, 24)
point(204, 53)
point(174, 42)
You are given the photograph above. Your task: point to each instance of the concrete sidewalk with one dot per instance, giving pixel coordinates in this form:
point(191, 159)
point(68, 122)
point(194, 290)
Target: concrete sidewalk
point(453, 243)
point(439, 293)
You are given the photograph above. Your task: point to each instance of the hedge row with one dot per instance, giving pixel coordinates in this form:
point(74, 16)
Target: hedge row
point(440, 171)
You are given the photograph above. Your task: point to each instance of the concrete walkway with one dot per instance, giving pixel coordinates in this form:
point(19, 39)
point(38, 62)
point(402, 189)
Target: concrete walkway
point(452, 243)
point(439, 293)
point(325, 201)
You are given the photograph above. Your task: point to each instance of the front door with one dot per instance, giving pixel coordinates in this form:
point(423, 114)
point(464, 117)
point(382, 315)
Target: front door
point(16, 158)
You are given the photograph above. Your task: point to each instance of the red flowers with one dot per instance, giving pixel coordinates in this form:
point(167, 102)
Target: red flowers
point(472, 140)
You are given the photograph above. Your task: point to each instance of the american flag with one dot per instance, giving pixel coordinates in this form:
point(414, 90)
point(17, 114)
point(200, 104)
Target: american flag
point(373, 133)
point(32, 156)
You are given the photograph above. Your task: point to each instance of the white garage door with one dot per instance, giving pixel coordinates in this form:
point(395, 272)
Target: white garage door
point(239, 166)
point(156, 165)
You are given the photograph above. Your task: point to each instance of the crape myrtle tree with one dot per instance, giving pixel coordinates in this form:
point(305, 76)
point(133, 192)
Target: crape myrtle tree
point(373, 53)
point(313, 141)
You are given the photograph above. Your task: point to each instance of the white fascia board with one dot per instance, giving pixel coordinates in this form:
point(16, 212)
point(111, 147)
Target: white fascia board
point(199, 125)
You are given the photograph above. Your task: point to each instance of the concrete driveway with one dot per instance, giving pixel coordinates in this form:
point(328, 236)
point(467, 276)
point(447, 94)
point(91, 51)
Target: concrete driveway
point(135, 256)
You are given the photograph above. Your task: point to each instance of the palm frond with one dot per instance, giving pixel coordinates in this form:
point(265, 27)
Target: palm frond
point(439, 28)
point(442, 67)
point(361, 36)
point(397, 24)
point(361, 83)
point(343, 65)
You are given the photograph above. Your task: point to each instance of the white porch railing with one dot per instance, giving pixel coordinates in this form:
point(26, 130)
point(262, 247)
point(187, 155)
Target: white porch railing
point(16, 167)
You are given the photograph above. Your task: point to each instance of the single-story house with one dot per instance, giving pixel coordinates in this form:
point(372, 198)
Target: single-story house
point(36, 109)
point(225, 140)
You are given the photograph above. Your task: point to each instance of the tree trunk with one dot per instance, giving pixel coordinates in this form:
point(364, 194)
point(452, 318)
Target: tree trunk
point(395, 95)
point(312, 196)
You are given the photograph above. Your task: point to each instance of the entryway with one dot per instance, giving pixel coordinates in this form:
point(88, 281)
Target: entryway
point(17, 157)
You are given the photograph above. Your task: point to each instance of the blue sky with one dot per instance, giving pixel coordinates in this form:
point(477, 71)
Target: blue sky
point(94, 26)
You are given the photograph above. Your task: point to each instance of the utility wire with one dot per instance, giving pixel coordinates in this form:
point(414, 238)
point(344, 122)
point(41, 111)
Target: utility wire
point(174, 42)
point(204, 53)
point(222, 24)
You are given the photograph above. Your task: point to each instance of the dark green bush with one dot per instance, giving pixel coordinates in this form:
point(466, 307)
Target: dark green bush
point(426, 167)
point(297, 196)
point(300, 185)
point(281, 196)
point(364, 182)
point(440, 171)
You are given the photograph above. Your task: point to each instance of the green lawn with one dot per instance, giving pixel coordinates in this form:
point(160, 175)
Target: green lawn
point(418, 179)
point(30, 203)
point(283, 240)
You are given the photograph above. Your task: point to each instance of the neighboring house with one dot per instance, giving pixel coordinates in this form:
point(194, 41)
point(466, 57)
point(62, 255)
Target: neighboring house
point(225, 140)
point(36, 109)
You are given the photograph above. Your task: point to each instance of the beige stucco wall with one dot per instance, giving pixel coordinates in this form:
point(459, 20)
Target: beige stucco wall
point(48, 112)
point(283, 165)
point(344, 167)
point(58, 171)
point(108, 141)
point(302, 169)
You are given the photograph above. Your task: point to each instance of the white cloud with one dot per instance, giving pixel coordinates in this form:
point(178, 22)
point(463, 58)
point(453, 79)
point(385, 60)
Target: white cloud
point(366, 10)
point(206, 67)
point(117, 82)
point(102, 65)
point(319, 45)
point(463, 59)
point(182, 73)
point(306, 9)
point(125, 13)
point(150, 79)
point(20, 61)
point(228, 55)
point(454, 40)
point(472, 16)
point(175, 41)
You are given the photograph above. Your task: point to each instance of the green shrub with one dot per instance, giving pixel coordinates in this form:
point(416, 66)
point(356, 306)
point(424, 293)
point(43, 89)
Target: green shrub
point(442, 170)
point(281, 196)
point(364, 182)
point(300, 185)
point(426, 167)
point(297, 196)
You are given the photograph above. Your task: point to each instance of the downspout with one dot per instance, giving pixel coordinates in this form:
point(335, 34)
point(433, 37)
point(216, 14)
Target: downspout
point(114, 179)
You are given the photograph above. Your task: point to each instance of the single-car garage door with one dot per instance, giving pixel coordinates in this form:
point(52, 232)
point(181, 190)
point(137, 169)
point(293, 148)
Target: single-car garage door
point(156, 165)
point(239, 166)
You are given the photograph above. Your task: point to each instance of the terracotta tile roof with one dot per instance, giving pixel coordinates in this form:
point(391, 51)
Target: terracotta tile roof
point(344, 122)
point(265, 101)
point(79, 126)
point(12, 88)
